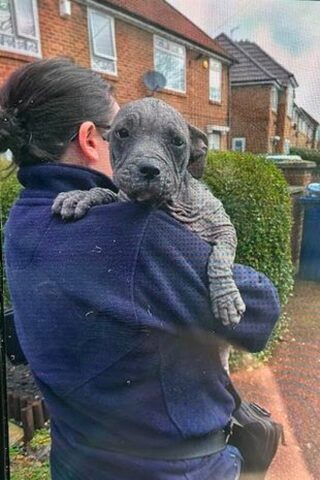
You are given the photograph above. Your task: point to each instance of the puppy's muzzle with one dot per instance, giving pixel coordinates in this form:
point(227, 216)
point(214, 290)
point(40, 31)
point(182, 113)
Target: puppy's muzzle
point(148, 171)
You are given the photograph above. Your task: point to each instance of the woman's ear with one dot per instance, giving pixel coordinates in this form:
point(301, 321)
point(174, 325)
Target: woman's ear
point(198, 151)
point(89, 142)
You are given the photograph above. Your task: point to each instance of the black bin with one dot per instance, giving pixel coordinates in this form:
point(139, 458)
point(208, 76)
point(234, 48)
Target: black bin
point(310, 246)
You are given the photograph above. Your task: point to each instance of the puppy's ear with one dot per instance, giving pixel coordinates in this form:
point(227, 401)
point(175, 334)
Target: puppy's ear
point(198, 151)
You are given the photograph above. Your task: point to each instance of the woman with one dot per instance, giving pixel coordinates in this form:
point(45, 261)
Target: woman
point(112, 311)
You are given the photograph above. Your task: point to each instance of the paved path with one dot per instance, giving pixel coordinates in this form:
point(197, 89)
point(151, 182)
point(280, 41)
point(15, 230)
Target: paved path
point(290, 387)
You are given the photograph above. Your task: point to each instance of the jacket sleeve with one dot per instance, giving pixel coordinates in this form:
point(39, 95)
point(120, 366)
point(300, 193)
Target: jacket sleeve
point(170, 288)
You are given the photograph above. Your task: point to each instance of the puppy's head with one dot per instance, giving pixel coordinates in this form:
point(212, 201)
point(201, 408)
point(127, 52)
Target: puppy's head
point(151, 148)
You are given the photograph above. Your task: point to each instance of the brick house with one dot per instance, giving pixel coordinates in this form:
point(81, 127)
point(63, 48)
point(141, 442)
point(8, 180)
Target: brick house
point(305, 129)
point(262, 98)
point(122, 40)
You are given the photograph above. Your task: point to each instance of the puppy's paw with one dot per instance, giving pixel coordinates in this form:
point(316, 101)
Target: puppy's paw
point(72, 205)
point(229, 309)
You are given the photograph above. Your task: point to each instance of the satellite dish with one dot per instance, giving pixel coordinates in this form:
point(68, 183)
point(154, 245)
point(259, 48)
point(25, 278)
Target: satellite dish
point(154, 80)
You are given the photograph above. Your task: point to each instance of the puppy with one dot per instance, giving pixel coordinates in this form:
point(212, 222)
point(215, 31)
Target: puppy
point(157, 157)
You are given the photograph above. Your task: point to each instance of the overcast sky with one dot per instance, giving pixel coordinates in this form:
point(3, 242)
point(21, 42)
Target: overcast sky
point(289, 30)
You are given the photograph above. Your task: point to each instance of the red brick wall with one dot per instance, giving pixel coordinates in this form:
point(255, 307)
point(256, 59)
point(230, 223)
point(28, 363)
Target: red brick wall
point(251, 116)
point(299, 139)
point(69, 37)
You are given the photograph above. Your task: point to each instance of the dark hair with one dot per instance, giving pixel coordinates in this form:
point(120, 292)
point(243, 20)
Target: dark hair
point(43, 104)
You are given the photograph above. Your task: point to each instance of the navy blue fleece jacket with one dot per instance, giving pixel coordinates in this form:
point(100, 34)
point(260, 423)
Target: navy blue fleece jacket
point(114, 317)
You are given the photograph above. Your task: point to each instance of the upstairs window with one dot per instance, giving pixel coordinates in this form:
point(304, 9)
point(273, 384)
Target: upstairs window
point(274, 99)
point(102, 42)
point(170, 60)
point(215, 81)
point(19, 27)
point(290, 101)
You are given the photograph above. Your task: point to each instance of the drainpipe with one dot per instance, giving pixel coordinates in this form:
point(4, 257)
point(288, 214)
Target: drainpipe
point(229, 108)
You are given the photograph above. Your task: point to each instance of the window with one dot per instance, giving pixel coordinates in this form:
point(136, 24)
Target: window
point(274, 99)
point(286, 147)
point(239, 144)
point(102, 42)
point(170, 60)
point(19, 29)
point(304, 127)
point(290, 100)
point(214, 140)
point(215, 80)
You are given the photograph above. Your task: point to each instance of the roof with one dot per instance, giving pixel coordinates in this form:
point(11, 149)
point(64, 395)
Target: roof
point(311, 119)
point(255, 65)
point(161, 14)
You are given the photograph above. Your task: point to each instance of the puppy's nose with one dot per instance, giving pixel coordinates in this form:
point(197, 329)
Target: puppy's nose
point(149, 171)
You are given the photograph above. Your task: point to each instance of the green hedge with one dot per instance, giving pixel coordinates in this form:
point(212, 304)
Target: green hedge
point(305, 154)
point(9, 190)
point(255, 195)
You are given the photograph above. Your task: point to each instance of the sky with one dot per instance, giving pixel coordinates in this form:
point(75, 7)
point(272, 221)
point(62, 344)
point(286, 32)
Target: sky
point(289, 30)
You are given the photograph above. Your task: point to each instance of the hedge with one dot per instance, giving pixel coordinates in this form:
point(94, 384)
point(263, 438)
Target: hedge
point(305, 154)
point(255, 195)
point(9, 190)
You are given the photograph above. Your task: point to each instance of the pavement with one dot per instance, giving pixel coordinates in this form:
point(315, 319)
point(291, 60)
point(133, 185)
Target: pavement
point(289, 387)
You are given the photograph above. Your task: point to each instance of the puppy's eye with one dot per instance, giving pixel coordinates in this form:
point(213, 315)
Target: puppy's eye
point(122, 133)
point(177, 141)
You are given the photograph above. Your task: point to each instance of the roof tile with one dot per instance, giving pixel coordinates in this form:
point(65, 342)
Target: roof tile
point(254, 63)
point(163, 15)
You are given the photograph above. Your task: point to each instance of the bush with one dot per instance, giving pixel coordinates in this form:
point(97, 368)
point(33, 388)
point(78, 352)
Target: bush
point(305, 154)
point(9, 190)
point(255, 195)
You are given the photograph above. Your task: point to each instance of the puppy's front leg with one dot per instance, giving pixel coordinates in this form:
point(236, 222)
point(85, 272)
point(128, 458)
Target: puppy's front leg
point(76, 203)
point(227, 304)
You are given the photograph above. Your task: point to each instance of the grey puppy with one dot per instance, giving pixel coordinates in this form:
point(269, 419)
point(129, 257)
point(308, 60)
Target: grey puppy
point(157, 157)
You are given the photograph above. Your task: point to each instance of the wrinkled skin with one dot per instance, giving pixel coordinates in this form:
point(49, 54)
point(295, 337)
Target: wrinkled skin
point(157, 157)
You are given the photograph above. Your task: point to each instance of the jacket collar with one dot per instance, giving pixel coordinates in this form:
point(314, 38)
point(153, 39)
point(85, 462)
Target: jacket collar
point(56, 177)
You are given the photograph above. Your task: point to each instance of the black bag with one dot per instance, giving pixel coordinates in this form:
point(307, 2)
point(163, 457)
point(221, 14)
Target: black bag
point(256, 436)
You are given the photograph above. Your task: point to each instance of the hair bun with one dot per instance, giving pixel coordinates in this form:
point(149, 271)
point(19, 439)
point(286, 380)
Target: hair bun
point(10, 132)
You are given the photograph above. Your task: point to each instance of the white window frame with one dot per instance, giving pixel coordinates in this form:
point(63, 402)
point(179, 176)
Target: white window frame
point(156, 47)
point(242, 140)
point(217, 134)
point(211, 61)
point(274, 95)
point(286, 146)
point(15, 8)
point(290, 100)
point(92, 46)
point(17, 35)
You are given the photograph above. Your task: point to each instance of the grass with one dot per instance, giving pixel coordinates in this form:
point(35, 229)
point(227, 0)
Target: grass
point(24, 464)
